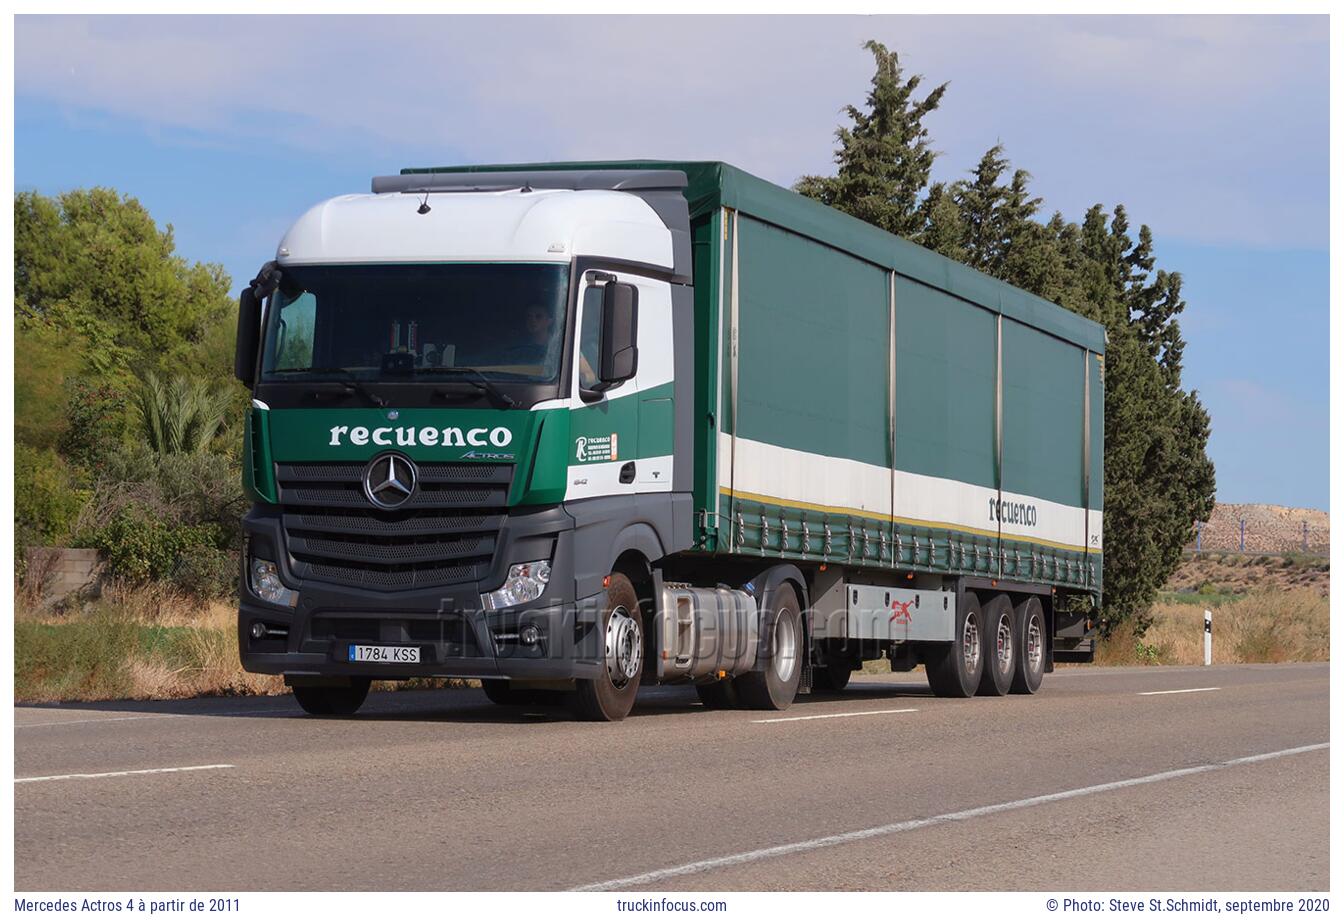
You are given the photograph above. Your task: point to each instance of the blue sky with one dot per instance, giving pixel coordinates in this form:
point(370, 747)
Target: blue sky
point(1213, 130)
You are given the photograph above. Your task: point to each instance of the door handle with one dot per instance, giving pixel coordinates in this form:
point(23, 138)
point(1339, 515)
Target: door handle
point(628, 473)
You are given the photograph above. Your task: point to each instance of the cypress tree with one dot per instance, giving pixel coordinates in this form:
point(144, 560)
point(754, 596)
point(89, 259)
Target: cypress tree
point(884, 157)
point(1158, 477)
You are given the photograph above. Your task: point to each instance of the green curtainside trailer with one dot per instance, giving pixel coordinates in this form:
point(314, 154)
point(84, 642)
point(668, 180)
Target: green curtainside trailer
point(758, 442)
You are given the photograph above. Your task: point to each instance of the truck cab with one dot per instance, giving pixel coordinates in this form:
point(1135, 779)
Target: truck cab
point(464, 424)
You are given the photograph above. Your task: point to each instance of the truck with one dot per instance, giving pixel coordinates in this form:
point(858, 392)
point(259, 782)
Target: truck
point(570, 429)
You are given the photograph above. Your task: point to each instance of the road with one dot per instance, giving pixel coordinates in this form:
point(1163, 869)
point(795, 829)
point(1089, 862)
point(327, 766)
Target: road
point(1101, 782)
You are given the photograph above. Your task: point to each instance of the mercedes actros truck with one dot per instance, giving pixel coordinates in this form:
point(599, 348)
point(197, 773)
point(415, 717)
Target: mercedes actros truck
point(571, 429)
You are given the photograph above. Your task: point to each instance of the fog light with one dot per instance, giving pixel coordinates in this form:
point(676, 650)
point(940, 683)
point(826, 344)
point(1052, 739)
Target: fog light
point(264, 578)
point(529, 635)
point(526, 582)
point(259, 630)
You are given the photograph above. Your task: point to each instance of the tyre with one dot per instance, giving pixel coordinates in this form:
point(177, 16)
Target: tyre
point(722, 694)
point(832, 677)
point(1000, 642)
point(610, 697)
point(777, 685)
point(500, 693)
point(955, 667)
point(333, 699)
point(1029, 665)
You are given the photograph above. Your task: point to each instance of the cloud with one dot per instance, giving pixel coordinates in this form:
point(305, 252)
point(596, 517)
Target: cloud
point(1211, 128)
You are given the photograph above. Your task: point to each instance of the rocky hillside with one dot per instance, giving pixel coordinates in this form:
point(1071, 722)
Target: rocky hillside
point(1269, 529)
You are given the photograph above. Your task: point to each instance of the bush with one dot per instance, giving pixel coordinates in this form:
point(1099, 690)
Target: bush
point(140, 544)
point(96, 416)
point(183, 488)
point(46, 499)
point(207, 573)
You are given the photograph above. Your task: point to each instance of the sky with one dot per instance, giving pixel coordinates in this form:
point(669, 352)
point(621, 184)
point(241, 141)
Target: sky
point(1212, 130)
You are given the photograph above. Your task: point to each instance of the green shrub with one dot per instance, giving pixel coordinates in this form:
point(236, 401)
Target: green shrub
point(46, 499)
point(207, 573)
point(139, 544)
point(96, 416)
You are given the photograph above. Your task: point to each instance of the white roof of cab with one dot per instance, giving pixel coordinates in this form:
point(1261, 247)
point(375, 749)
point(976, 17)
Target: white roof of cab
point(537, 225)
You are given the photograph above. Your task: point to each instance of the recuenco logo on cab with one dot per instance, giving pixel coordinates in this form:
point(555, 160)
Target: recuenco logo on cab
point(420, 437)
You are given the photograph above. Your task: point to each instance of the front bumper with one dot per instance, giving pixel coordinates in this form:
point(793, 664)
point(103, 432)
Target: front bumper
point(455, 636)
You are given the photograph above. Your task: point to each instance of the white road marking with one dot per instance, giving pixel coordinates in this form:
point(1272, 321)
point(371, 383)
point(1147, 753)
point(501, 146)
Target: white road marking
point(834, 715)
point(1166, 692)
point(162, 715)
point(818, 843)
point(43, 779)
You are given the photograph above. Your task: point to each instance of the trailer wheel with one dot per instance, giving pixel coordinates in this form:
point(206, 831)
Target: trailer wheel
point(342, 699)
point(610, 697)
point(722, 694)
point(955, 667)
point(1000, 638)
point(777, 685)
point(1029, 665)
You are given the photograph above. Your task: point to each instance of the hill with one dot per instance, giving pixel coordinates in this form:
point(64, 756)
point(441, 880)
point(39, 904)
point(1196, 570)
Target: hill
point(1269, 529)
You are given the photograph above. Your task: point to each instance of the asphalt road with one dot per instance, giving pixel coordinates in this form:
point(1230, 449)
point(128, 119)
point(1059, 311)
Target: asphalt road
point(1088, 786)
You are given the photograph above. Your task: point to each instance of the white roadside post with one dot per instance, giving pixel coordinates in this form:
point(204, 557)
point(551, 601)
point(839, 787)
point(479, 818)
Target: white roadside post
point(1208, 638)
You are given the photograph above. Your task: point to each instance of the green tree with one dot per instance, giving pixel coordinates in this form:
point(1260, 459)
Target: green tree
point(884, 159)
point(180, 415)
point(93, 263)
point(1158, 477)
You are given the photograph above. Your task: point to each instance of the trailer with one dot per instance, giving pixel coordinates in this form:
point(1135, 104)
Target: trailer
point(572, 428)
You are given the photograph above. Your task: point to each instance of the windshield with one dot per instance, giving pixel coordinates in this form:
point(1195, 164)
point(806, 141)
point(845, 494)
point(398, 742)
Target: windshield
point(401, 322)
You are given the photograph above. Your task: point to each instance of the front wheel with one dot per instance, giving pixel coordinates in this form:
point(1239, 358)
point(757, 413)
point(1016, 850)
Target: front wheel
point(342, 699)
point(611, 696)
point(501, 694)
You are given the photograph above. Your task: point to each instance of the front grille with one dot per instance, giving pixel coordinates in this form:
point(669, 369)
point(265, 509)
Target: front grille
point(446, 533)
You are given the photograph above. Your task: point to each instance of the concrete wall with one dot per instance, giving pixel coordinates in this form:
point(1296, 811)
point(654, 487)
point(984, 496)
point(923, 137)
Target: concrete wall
point(64, 570)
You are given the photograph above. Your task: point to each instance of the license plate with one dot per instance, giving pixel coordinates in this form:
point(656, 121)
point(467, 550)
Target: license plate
point(386, 654)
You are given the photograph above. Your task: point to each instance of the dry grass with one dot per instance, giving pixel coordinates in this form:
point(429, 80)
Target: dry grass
point(133, 642)
point(139, 642)
point(1262, 627)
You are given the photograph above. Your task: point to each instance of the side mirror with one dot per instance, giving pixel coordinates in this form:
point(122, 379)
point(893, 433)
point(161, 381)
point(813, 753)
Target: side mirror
point(619, 357)
point(249, 337)
point(248, 340)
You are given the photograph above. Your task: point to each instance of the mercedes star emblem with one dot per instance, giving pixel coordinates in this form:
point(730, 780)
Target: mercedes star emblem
point(389, 480)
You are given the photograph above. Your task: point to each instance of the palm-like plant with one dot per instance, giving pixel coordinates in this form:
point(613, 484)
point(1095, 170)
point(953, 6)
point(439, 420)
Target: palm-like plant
point(179, 416)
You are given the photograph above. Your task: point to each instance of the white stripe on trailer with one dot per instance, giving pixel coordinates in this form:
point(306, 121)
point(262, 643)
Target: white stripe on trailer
point(852, 486)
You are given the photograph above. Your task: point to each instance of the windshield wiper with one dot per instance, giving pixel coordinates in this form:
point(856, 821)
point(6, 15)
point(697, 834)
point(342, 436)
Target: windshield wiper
point(351, 383)
point(476, 379)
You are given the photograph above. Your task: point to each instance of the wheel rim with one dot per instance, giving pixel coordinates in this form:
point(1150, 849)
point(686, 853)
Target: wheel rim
point(970, 643)
point(625, 647)
point(786, 647)
point(1003, 644)
point(1034, 649)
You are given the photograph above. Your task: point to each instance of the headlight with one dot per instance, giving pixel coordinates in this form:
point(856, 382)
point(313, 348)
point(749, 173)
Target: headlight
point(264, 577)
point(526, 582)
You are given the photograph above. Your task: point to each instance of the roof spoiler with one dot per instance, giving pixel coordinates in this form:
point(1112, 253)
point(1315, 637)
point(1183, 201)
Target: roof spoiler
point(617, 180)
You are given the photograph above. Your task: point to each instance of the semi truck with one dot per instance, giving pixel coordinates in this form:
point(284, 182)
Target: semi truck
point(571, 429)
